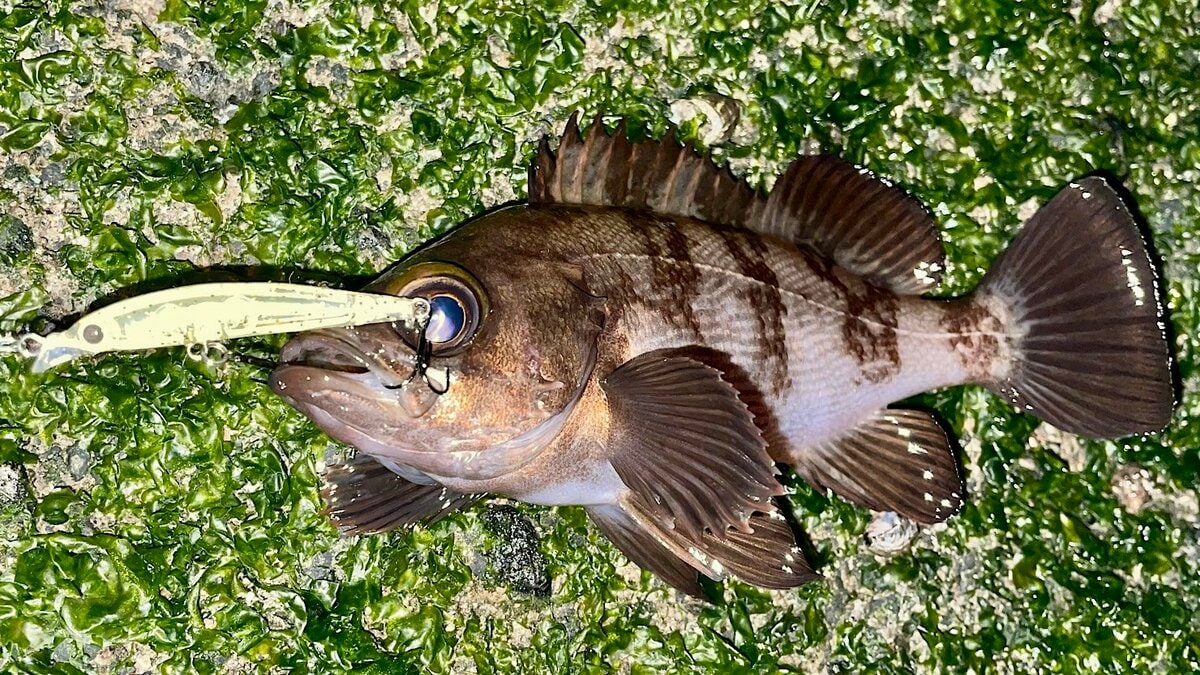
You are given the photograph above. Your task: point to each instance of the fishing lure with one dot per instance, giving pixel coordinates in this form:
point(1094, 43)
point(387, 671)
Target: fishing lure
point(202, 316)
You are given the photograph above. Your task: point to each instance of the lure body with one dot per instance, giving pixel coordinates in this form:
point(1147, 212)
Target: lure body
point(212, 313)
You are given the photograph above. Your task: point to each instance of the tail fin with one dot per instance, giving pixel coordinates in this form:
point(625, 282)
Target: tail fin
point(1090, 353)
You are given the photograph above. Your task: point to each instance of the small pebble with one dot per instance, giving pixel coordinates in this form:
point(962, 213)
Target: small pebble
point(889, 534)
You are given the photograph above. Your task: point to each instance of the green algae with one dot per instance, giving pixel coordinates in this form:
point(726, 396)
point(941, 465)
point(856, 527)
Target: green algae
point(335, 137)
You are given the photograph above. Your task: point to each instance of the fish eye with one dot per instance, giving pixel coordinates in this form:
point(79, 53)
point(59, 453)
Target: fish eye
point(457, 305)
point(447, 318)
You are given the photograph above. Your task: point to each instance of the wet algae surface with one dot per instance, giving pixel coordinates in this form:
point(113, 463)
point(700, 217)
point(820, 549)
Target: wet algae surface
point(162, 515)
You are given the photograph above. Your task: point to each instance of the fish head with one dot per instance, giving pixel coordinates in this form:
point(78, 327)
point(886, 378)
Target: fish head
point(505, 353)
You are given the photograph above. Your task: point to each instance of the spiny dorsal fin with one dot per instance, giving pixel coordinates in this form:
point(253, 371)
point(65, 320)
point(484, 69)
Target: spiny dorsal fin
point(897, 460)
point(363, 496)
point(864, 224)
point(661, 176)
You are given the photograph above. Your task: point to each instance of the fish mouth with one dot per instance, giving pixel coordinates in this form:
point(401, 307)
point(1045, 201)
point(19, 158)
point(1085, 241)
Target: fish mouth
point(328, 351)
point(350, 375)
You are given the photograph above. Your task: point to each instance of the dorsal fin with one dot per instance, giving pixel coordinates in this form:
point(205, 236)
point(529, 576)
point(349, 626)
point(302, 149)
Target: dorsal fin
point(661, 176)
point(862, 223)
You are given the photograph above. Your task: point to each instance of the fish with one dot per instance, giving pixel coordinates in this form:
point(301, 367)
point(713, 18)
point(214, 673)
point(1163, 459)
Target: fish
point(650, 338)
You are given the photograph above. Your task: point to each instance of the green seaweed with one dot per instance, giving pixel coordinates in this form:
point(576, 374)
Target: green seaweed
point(336, 136)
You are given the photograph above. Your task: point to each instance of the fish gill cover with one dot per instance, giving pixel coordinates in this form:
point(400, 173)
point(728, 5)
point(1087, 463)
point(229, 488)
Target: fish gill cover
point(162, 515)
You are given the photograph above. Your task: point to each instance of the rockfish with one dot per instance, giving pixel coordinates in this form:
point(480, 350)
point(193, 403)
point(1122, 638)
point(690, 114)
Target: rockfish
point(648, 337)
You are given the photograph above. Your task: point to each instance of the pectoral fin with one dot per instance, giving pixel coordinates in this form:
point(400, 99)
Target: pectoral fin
point(699, 477)
point(363, 496)
point(765, 556)
point(898, 460)
point(683, 442)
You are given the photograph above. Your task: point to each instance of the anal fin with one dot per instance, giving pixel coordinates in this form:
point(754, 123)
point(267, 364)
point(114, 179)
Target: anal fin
point(897, 460)
point(363, 496)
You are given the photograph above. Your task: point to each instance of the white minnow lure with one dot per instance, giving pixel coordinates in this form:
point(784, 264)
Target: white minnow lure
point(205, 314)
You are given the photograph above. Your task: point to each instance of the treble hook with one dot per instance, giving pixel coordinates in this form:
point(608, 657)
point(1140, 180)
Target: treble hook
point(422, 362)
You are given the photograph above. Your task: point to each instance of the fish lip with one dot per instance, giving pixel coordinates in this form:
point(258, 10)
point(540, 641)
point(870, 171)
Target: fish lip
point(329, 364)
point(284, 378)
point(325, 396)
point(325, 350)
point(337, 351)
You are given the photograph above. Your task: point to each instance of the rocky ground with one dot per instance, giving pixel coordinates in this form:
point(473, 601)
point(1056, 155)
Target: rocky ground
point(162, 515)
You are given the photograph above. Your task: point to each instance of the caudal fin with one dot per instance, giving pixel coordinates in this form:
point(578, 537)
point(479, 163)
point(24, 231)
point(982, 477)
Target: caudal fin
point(1090, 348)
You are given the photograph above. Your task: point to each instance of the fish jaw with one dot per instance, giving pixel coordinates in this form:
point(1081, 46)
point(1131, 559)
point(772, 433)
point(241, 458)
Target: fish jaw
point(340, 372)
point(359, 390)
point(356, 384)
point(349, 403)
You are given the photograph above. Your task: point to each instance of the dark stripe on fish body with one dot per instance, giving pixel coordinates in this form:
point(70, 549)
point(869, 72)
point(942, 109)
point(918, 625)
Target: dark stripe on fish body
point(869, 323)
point(973, 330)
point(870, 331)
point(674, 276)
point(763, 299)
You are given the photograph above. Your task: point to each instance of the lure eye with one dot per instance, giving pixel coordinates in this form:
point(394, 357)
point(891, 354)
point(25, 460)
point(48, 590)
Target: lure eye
point(457, 304)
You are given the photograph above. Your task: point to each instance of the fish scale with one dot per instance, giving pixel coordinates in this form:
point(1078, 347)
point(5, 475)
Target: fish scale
point(814, 315)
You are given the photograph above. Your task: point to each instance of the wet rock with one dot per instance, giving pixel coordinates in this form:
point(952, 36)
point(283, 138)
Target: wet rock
point(16, 239)
point(1069, 448)
point(14, 484)
point(79, 462)
point(62, 653)
point(1133, 486)
point(324, 72)
point(372, 240)
point(53, 174)
point(720, 115)
point(207, 82)
point(515, 558)
point(15, 173)
point(264, 83)
point(320, 567)
point(1170, 212)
